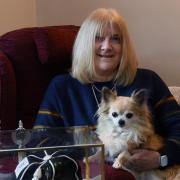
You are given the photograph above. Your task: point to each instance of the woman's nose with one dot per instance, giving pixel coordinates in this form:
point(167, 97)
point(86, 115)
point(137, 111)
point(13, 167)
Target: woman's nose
point(106, 44)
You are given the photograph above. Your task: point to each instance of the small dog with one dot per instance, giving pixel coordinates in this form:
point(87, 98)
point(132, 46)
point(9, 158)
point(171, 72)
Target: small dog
point(125, 123)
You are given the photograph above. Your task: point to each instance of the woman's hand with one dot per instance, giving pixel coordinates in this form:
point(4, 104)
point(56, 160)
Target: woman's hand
point(143, 160)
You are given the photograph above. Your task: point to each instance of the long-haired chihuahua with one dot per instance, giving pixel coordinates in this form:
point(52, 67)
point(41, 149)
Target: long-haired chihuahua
point(124, 124)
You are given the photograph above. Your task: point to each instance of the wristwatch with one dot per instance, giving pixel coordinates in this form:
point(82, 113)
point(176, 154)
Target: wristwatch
point(163, 161)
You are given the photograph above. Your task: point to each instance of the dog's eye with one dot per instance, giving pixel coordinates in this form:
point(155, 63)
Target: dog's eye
point(114, 114)
point(129, 115)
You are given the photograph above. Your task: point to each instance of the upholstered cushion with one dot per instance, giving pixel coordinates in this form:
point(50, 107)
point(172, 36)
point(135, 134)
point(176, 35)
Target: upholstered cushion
point(175, 90)
point(55, 44)
point(31, 74)
point(30, 77)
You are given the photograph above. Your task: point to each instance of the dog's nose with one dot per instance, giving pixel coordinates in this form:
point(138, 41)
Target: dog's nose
point(121, 123)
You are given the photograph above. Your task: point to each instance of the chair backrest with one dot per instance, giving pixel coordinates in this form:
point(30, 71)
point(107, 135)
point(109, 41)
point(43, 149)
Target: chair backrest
point(175, 90)
point(29, 59)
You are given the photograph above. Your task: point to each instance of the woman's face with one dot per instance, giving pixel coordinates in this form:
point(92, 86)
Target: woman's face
point(107, 53)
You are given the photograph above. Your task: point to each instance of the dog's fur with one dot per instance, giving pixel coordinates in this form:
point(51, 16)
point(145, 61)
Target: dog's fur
point(125, 123)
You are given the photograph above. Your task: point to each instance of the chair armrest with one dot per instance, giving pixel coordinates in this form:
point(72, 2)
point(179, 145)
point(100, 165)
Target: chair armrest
point(7, 93)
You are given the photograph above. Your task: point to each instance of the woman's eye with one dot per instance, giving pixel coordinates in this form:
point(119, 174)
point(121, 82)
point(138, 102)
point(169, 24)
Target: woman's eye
point(129, 115)
point(115, 114)
point(99, 38)
point(116, 39)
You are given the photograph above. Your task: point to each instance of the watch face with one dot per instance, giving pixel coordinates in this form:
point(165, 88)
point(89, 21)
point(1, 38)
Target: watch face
point(163, 161)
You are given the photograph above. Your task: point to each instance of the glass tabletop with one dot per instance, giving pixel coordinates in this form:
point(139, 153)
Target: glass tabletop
point(77, 142)
point(20, 139)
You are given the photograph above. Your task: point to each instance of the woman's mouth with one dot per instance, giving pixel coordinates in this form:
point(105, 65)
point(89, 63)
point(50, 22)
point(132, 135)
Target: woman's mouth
point(105, 55)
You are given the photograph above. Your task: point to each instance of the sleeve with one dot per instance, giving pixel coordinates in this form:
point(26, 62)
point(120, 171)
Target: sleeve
point(49, 114)
point(167, 120)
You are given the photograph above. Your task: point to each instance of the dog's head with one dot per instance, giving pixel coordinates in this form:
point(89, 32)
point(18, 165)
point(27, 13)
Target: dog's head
point(124, 112)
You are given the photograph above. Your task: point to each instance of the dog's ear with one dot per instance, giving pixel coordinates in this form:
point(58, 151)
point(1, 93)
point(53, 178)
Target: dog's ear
point(140, 97)
point(107, 94)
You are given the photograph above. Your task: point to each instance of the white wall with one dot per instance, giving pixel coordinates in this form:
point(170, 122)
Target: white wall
point(16, 14)
point(153, 24)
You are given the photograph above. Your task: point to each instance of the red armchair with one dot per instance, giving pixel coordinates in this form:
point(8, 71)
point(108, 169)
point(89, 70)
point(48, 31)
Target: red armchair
point(29, 59)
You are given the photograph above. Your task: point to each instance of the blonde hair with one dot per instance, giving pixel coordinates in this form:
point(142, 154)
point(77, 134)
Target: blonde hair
point(83, 50)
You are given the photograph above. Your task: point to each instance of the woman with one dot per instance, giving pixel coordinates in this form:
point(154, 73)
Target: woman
point(103, 55)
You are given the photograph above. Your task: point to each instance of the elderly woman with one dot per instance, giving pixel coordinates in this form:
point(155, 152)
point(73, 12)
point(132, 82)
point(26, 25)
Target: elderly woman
point(103, 55)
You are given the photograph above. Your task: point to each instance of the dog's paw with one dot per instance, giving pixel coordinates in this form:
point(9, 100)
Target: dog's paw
point(117, 164)
point(120, 161)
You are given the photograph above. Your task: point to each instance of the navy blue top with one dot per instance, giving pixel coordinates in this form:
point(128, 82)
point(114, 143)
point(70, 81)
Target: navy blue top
point(67, 102)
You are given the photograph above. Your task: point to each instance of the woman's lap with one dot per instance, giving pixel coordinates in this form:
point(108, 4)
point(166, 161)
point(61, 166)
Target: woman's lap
point(117, 174)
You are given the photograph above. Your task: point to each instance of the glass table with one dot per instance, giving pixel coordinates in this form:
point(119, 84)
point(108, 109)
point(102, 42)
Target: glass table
point(21, 149)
